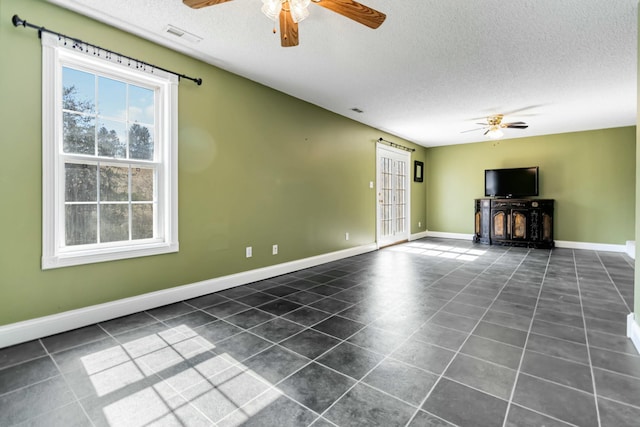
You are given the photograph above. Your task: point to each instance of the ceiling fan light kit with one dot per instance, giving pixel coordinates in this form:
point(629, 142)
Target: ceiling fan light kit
point(297, 8)
point(494, 126)
point(495, 133)
point(291, 12)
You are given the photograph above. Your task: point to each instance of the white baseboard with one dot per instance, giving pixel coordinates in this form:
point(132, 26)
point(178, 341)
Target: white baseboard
point(444, 235)
point(418, 236)
point(633, 331)
point(630, 248)
point(591, 246)
point(28, 330)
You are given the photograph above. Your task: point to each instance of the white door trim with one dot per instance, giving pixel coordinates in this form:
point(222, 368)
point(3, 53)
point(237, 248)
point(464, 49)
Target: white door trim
point(380, 148)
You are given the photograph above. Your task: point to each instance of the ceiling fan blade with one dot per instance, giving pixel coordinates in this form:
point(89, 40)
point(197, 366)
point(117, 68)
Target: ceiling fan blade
point(488, 130)
point(483, 124)
point(517, 126)
point(288, 29)
point(471, 130)
point(514, 123)
point(354, 10)
point(197, 4)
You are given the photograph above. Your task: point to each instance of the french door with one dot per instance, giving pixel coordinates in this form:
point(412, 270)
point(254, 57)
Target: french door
point(393, 201)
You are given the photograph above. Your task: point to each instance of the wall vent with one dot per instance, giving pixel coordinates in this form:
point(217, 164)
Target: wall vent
point(185, 35)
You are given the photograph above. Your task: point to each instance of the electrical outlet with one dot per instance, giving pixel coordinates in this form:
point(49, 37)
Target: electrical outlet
point(346, 236)
point(249, 252)
point(419, 224)
point(274, 250)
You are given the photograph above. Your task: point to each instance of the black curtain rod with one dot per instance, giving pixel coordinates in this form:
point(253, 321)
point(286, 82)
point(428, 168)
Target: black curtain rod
point(79, 43)
point(393, 144)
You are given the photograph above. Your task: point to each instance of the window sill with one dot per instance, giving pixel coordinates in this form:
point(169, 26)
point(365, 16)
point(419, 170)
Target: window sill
point(90, 257)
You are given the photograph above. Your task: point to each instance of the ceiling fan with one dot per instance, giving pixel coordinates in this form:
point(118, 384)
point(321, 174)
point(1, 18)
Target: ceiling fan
point(290, 12)
point(494, 126)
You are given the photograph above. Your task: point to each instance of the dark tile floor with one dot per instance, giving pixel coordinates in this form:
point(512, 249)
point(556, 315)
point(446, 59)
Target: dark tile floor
point(429, 333)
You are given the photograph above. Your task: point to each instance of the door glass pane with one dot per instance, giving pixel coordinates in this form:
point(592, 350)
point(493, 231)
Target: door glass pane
point(401, 179)
point(386, 195)
point(114, 222)
point(142, 221)
point(80, 183)
point(80, 224)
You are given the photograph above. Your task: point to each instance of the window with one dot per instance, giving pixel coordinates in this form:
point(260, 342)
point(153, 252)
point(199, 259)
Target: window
point(109, 158)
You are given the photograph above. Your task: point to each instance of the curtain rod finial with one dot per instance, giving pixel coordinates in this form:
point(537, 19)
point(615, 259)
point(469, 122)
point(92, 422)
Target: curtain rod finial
point(17, 21)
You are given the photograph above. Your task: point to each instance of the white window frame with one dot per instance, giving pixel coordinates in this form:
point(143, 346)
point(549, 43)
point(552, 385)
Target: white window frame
point(55, 56)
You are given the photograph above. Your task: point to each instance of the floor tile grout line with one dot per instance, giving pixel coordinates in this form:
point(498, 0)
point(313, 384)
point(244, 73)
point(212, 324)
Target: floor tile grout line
point(155, 373)
point(526, 341)
point(22, 361)
point(495, 261)
point(42, 415)
point(241, 329)
point(586, 337)
point(310, 361)
point(397, 347)
point(547, 415)
point(24, 387)
point(515, 269)
point(613, 283)
point(76, 399)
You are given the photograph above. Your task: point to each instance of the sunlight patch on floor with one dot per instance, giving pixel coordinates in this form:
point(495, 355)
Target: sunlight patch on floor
point(158, 377)
point(441, 251)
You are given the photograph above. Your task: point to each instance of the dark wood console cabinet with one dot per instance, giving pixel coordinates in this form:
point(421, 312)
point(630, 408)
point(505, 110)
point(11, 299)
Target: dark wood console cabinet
point(514, 222)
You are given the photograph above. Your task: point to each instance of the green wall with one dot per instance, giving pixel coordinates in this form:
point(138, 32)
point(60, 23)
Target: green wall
point(636, 293)
point(590, 174)
point(256, 168)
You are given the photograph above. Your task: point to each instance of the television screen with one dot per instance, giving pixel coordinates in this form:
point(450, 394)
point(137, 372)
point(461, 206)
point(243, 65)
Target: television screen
point(514, 182)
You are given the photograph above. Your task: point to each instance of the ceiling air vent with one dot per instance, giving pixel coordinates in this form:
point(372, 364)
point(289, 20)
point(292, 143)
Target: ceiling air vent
point(185, 35)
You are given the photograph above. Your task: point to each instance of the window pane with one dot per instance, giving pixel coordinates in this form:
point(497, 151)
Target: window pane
point(114, 183)
point(78, 132)
point(114, 222)
point(140, 142)
point(111, 139)
point(78, 90)
point(142, 185)
point(80, 224)
point(141, 105)
point(142, 224)
point(112, 98)
point(80, 183)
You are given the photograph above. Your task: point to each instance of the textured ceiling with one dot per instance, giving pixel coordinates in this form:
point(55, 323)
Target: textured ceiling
point(434, 67)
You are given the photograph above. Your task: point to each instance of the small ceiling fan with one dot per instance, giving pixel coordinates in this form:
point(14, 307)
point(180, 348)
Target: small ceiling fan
point(494, 126)
point(291, 12)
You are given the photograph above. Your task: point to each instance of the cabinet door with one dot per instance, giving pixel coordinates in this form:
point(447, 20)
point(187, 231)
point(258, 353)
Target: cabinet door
point(547, 227)
point(500, 229)
point(519, 224)
point(482, 225)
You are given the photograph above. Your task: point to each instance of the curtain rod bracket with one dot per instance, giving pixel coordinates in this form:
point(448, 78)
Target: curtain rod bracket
point(17, 21)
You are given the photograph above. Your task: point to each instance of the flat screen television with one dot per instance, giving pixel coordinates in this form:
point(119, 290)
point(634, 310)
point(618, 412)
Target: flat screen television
point(513, 182)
